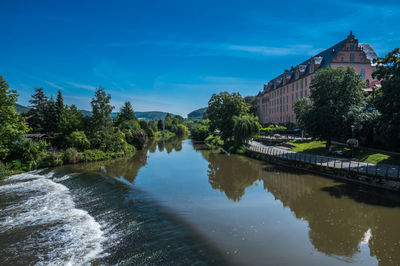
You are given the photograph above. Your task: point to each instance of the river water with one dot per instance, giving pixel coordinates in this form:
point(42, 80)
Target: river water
point(178, 203)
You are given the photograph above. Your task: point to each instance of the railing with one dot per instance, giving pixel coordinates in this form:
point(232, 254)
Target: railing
point(380, 170)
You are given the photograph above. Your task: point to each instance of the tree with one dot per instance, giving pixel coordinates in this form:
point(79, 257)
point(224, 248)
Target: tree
point(126, 113)
point(387, 102)
point(333, 93)
point(101, 110)
point(59, 106)
point(71, 120)
point(37, 113)
point(160, 125)
point(11, 125)
point(221, 109)
point(244, 128)
point(50, 113)
point(252, 102)
point(301, 109)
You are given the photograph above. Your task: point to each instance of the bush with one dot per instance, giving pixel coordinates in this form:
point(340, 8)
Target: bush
point(214, 142)
point(149, 131)
point(71, 155)
point(94, 155)
point(181, 130)
point(53, 158)
point(199, 132)
point(29, 150)
point(78, 140)
point(139, 139)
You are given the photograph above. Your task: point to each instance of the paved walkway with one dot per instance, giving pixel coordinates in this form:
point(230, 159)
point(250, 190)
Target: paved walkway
point(355, 166)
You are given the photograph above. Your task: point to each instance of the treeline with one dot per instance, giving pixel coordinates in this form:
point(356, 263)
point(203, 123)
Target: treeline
point(60, 133)
point(341, 110)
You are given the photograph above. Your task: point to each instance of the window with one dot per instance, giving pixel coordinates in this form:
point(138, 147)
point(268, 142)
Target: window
point(341, 58)
point(293, 87)
point(301, 94)
point(351, 46)
point(297, 96)
point(306, 81)
point(362, 72)
point(361, 58)
point(351, 58)
point(297, 85)
point(305, 93)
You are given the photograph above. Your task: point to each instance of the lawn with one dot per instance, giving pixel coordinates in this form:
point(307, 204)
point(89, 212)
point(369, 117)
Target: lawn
point(363, 155)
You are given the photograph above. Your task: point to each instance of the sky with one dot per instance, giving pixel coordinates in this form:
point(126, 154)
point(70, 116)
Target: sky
point(171, 55)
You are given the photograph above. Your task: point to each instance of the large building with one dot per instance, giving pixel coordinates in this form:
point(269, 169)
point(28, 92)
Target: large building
point(275, 104)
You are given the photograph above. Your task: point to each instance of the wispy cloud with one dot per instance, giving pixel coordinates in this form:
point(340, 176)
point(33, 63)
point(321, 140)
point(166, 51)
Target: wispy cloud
point(82, 86)
point(52, 84)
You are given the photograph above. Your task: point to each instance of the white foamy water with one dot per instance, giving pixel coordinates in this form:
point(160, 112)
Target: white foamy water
point(43, 225)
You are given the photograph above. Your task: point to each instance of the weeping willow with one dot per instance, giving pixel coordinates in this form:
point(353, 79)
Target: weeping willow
point(244, 128)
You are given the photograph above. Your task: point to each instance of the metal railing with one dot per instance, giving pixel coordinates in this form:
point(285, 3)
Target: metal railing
point(380, 170)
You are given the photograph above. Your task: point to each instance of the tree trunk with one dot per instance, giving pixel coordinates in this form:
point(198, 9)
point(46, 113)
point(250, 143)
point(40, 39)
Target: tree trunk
point(328, 145)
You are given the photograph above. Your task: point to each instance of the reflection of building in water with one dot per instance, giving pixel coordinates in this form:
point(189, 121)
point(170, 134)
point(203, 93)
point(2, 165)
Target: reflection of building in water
point(339, 215)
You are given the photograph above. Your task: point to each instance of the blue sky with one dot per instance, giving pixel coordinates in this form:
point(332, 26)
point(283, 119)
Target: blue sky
point(172, 55)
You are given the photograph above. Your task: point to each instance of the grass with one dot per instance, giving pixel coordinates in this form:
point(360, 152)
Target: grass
point(364, 155)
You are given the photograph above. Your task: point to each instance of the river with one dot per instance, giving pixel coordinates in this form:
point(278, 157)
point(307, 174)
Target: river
point(178, 203)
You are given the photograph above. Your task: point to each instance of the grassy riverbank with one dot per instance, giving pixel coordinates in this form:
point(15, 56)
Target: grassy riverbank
point(361, 154)
point(58, 158)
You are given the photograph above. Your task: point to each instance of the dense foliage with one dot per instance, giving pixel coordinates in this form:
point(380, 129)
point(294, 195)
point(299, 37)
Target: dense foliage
point(69, 136)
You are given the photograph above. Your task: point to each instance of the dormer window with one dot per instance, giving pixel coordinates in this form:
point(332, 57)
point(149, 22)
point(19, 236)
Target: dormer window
point(311, 67)
point(351, 46)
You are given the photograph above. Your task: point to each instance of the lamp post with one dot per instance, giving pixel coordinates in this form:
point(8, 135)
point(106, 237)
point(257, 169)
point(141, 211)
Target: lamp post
point(352, 136)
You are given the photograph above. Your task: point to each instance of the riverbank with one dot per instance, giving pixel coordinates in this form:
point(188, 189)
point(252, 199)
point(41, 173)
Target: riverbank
point(59, 158)
point(386, 177)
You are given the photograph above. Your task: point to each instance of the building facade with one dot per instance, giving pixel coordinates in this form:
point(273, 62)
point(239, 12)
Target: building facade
point(275, 104)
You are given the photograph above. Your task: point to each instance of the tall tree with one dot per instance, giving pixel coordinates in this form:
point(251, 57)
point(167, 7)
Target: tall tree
point(37, 113)
point(387, 102)
point(245, 127)
point(59, 106)
point(221, 109)
point(333, 93)
point(11, 125)
point(101, 109)
point(126, 113)
point(301, 109)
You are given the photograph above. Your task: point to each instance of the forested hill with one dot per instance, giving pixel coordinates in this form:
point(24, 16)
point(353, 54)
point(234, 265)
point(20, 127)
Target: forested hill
point(151, 115)
point(197, 114)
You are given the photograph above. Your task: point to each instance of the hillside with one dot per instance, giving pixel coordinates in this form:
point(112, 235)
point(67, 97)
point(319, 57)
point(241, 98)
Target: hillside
point(21, 109)
point(197, 114)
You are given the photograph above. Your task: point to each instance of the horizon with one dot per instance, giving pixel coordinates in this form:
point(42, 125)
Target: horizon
point(172, 57)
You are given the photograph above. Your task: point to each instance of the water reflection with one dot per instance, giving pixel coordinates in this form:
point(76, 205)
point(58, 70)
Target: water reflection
point(341, 217)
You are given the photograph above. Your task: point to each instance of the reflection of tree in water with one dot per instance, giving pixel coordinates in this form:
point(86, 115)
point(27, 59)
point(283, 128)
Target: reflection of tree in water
point(339, 215)
point(231, 174)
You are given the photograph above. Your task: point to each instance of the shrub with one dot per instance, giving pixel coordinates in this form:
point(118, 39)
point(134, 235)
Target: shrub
point(149, 131)
point(199, 132)
point(29, 150)
point(78, 140)
point(214, 142)
point(139, 139)
point(71, 155)
point(94, 155)
point(181, 130)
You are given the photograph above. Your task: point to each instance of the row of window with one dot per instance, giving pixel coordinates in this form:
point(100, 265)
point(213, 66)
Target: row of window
point(299, 84)
point(352, 58)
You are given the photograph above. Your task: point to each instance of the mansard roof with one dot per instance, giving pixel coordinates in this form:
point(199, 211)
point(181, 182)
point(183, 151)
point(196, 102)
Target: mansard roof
point(323, 59)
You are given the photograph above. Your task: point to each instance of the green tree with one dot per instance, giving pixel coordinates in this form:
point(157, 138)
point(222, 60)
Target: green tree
point(244, 128)
point(50, 113)
point(160, 125)
point(59, 107)
point(11, 125)
point(78, 139)
point(222, 108)
point(101, 110)
point(37, 113)
point(301, 109)
point(126, 113)
point(387, 102)
point(252, 102)
point(333, 93)
point(71, 120)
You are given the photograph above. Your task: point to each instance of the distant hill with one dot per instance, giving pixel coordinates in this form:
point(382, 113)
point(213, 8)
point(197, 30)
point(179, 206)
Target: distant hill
point(151, 115)
point(197, 114)
point(21, 109)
